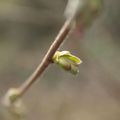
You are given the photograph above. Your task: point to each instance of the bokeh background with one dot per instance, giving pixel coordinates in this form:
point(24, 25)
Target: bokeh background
point(27, 28)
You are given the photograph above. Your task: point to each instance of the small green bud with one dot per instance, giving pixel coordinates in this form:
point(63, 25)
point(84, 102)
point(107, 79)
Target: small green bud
point(13, 105)
point(13, 94)
point(67, 61)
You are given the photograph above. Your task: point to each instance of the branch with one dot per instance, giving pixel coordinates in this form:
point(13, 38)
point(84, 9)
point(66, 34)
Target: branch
point(47, 59)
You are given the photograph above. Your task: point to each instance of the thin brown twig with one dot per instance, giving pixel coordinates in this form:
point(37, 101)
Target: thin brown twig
point(47, 59)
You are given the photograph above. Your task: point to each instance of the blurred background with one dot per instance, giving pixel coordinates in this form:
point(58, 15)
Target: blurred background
point(27, 28)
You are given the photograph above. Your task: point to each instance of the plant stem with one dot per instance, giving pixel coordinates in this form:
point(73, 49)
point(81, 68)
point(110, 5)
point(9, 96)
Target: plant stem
point(47, 58)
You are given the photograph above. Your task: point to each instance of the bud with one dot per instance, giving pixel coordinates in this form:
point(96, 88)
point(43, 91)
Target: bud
point(67, 61)
point(13, 106)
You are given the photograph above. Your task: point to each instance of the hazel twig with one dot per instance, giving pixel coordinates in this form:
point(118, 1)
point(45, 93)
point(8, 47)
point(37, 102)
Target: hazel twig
point(47, 59)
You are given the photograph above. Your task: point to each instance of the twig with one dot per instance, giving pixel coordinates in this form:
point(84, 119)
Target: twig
point(47, 59)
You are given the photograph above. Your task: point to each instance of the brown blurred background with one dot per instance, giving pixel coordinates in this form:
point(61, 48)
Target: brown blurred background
point(28, 27)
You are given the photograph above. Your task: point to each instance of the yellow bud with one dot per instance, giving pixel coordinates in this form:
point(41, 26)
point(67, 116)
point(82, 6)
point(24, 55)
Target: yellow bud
point(67, 61)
